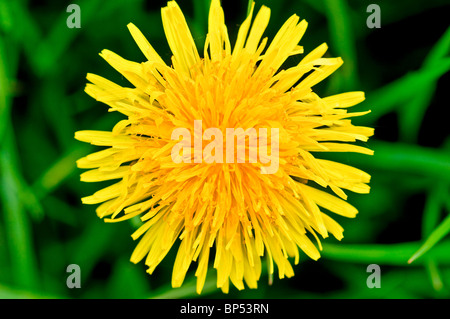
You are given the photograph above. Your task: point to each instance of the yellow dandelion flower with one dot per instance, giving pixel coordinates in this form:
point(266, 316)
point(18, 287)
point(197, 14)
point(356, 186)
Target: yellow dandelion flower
point(231, 213)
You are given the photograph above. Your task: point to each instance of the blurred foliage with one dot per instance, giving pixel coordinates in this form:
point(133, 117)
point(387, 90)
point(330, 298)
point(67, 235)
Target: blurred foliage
point(403, 68)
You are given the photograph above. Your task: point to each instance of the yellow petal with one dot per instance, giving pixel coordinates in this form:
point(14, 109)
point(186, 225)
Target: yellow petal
point(330, 202)
point(257, 30)
point(242, 33)
point(179, 37)
point(219, 42)
point(144, 45)
point(339, 147)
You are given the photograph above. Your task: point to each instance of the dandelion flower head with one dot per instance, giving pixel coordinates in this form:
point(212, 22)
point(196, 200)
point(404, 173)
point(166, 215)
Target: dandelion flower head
point(229, 214)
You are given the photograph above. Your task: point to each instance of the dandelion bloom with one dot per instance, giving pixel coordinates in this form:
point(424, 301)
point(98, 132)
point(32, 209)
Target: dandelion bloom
point(230, 213)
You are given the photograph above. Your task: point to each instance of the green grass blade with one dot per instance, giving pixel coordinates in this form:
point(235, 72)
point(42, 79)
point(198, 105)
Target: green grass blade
point(391, 96)
point(403, 158)
point(411, 159)
point(343, 41)
point(55, 106)
point(389, 254)
point(6, 19)
point(25, 31)
point(249, 6)
point(430, 220)
point(59, 39)
point(13, 198)
point(440, 50)
point(199, 24)
point(5, 85)
point(435, 276)
point(127, 281)
point(17, 224)
point(8, 66)
point(440, 232)
point(12, 293)
point(413, 111)
point(432, 209)
point(201, 9)
point(59, 171)
point(187, 290)
point(92, 244)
